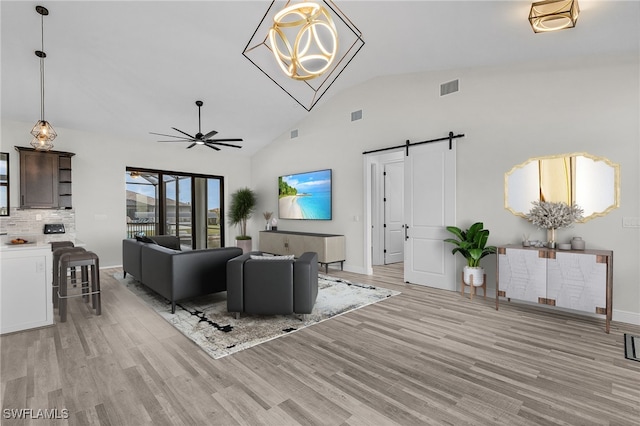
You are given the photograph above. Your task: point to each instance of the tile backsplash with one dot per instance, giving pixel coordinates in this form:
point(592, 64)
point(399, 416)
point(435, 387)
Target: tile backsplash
point(30, 222)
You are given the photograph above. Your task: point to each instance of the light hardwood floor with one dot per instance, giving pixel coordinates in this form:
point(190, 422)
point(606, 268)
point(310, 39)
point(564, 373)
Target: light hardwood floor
point(424, 357)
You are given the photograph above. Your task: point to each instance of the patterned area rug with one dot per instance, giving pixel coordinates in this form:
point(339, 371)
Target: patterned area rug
point(205, 320)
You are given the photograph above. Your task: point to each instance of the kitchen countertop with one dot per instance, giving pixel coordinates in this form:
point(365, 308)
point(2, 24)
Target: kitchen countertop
point(35, 242)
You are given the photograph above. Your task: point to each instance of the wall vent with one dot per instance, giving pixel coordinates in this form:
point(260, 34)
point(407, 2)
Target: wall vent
point(449, 87)
point(356, 115)
point(294, 133)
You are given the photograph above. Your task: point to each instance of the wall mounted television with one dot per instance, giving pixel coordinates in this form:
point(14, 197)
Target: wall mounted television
point(305, 195)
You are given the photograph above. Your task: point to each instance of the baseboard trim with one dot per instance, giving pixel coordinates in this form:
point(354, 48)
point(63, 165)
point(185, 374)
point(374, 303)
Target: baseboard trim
point(354, 269)
point(626, 317)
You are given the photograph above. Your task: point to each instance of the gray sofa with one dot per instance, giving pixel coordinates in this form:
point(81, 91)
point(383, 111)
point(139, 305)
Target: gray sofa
point(272, 287)
point(175, 274)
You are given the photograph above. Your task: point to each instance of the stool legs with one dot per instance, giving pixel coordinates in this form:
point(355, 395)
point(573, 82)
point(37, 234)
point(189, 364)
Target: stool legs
point(95, 288)
point(90, 280)
point(62, 290)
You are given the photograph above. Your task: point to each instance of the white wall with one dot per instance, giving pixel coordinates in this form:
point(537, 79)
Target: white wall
point(99, 197)
point(508, 114)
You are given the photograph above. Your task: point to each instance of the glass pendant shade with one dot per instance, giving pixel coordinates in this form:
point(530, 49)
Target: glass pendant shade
point(43, 135)
point(553, 15)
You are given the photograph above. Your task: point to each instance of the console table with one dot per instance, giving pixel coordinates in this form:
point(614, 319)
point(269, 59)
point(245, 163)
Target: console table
point(330, 248)
point(575, 279)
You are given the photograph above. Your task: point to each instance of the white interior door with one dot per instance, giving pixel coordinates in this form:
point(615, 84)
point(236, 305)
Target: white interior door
point(393, 212)
point(430, 173)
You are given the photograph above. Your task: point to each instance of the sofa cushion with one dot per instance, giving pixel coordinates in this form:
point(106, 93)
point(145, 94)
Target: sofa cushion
point(168, 241)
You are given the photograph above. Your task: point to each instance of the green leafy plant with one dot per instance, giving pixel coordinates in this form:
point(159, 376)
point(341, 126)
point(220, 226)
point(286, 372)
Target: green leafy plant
point(243, 204)
point(471, 243)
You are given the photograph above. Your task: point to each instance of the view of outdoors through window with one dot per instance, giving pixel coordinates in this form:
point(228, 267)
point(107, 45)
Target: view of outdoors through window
point(168, 203)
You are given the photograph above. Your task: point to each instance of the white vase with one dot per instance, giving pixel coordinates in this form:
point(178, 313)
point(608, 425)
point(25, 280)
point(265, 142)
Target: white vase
point(551, 238)
point(475, 273)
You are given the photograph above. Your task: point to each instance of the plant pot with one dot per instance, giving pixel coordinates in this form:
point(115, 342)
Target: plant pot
point(473, 273)
point(245, 245)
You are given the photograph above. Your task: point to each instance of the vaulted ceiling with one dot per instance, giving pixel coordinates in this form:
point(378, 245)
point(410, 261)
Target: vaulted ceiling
point(128, 68)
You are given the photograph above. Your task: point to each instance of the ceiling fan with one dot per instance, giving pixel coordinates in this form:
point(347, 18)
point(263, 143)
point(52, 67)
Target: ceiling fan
point(199, 138)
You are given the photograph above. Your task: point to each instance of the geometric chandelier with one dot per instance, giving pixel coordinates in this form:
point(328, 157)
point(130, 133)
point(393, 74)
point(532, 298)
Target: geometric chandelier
point(303, 47)
point(43, 131)
point(553, 15)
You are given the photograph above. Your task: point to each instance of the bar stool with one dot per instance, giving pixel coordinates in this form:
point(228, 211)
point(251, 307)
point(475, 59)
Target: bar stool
point(57, 253)
point(84, 260)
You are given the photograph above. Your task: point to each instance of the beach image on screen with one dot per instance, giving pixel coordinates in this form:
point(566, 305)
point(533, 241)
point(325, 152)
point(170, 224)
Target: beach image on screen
point(305, 196)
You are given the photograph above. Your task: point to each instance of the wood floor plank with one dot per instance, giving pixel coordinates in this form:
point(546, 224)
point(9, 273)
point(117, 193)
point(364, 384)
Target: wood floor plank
point(423, 357)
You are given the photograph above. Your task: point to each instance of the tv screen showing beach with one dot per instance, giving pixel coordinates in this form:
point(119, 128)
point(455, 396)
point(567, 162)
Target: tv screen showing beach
point(305, 195)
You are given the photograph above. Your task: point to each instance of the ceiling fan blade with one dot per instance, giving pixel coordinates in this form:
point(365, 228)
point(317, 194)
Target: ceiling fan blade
point(211, 133)
point(212, 147)
point(225, 140)
point(192, 145)
point(223, 144)
point(170, 136)
point(184, 133)
point(183, 140)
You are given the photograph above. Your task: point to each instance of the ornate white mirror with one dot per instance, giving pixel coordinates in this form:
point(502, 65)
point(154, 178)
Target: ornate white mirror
point(593, 183)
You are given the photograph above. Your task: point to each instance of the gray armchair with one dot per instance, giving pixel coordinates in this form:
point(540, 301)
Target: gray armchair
point(272, 287)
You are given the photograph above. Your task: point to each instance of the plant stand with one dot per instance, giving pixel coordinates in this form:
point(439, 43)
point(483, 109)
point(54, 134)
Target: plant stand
point(473, 288)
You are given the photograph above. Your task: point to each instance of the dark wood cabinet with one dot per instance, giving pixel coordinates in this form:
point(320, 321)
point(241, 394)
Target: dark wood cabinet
point(45, 179)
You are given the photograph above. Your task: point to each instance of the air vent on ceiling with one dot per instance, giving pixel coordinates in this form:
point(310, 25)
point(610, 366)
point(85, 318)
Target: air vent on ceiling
point(294, 133)
point(449, 87)
point(356, 115)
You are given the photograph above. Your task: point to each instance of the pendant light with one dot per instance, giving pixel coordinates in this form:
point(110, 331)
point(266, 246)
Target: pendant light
point(43, 131)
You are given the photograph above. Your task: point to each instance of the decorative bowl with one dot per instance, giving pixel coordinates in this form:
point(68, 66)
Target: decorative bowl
point(564, 246)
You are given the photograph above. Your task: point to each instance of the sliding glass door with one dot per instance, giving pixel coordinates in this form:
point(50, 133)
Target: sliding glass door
point(177, 207)
point(186, 205)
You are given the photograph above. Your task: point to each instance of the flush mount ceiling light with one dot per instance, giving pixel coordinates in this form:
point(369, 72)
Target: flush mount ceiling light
point(43, 131)
point(553, 15)
point(303, 47)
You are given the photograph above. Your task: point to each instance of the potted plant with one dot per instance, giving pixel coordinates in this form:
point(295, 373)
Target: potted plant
point(472, 244)
point(243, 204)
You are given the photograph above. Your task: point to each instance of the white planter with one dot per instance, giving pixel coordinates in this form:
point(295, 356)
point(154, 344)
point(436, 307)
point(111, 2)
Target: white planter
point(477, 273)
point(245, 245)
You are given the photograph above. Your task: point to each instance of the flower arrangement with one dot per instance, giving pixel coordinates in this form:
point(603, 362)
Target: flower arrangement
point(267, 215)
point(553, 215)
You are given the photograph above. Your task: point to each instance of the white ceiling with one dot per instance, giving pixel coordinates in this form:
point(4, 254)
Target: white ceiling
point(128, 68)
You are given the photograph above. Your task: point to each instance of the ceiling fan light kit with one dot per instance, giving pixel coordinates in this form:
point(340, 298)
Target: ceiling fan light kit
point(303, 47)
point(199, 138)
point(553, 15)
point(43, 133)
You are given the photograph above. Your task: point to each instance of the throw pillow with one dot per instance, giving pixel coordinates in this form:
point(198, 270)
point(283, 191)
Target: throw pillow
point(287, 257)
point(144, 239)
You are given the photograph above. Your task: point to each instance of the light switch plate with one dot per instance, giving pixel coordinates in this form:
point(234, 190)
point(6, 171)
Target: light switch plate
point(631, 222)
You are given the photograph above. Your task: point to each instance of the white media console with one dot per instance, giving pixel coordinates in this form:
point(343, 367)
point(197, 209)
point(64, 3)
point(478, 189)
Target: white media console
point(330, 248)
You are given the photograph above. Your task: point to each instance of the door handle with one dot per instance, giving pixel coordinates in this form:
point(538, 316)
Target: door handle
point(406, 235)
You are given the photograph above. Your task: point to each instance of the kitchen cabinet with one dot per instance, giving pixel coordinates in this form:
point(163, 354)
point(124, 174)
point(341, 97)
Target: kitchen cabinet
point(26, 292)
point(45, 179)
